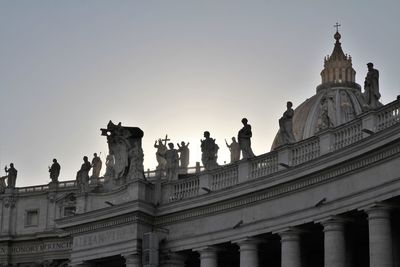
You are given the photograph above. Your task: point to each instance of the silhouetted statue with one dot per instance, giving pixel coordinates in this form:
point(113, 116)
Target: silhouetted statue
point(125, 160)
point(286, 125)
point(160, 154)
point(11, 175)
point(82, 176)
point(183, 154)
point(209, 151)
point(244, 136)
point(96, 165)
point(172, 159)
point(54, 171)
point(371, 87)
point(110, 162)
point(234, 148)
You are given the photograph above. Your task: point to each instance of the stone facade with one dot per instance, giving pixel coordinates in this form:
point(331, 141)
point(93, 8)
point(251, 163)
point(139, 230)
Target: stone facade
point(328, 200)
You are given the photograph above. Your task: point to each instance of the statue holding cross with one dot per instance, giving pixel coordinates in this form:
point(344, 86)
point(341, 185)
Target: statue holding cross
point(161, 146)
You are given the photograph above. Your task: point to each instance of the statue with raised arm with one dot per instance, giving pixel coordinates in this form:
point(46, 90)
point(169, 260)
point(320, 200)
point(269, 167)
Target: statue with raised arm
point(183, 150)
point(172, 159)
point(244, 136)
point(11, 175)
point(96, 166)
point(286, 125)
point(82, 176)
point(160, 154)
point(54, 171)
point(234, 148)
point(371, 87)
point(209, 151)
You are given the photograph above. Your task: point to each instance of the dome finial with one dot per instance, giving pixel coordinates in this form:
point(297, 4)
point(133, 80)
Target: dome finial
point(337, 35)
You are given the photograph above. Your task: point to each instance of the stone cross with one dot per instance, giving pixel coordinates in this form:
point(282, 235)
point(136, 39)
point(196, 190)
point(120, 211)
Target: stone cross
point(337, 25)
point(166, 139)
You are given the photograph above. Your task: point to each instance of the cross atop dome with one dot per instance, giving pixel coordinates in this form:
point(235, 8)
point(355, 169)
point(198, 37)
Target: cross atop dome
point(337, 25)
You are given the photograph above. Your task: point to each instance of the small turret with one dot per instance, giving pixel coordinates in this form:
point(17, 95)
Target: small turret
point(338, 68)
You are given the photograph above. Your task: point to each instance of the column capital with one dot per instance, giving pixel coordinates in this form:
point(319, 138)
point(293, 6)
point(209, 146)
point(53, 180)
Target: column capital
point(333, 223)
point(289, 234)
point(247, 241)
point(378, 211)
point(207, 249)
point(132, 258)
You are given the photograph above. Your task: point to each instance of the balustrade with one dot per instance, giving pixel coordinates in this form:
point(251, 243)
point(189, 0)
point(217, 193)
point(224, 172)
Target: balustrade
point(264, 165)
point(224, 177)
point(305, 151)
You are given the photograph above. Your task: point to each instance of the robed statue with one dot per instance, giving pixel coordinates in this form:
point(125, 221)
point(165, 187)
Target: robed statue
point(209, 151)
point(286, 125)
point(54, 171)
point(371, 87)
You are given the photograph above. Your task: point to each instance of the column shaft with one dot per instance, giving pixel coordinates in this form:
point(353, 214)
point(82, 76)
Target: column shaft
point(380, 239)
point(290, 243)
point(334, 243)
point(248, 248)
point(208, 257)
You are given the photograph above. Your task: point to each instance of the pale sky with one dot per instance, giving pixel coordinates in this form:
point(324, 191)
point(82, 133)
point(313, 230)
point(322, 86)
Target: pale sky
point(170, 67)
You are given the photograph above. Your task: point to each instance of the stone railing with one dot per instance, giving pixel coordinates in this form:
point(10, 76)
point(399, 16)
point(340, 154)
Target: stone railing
point(306, 150)
point(348, 134)
point(184, 188)
point(263, 165)
point(388, 116)
point(224, 177)
point(202, 182)
point(287, 156)
point(32, 189)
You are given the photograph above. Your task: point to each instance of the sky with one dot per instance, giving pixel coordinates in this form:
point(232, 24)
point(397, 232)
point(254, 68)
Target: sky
point(171, 67)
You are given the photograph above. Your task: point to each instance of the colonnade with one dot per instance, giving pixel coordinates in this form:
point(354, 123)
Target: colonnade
point(380, 244)
point(335, 254)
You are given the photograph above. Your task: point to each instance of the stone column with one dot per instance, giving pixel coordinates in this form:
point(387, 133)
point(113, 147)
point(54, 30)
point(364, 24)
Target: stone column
point(380, 239)
point(248, 248)
point(334, 243)
point(133, 260)
point(290, 245)
point(208, 256)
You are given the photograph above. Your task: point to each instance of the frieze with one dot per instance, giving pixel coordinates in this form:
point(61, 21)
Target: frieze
point(105, 237)
point(300, 184)
point(111, 223)
point(33, 248)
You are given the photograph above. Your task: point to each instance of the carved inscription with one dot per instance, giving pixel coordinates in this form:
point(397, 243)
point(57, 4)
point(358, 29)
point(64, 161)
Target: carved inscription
point(104, 237)
point(35, 248)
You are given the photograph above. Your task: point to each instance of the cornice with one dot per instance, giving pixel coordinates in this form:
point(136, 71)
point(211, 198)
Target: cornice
point(334, 172)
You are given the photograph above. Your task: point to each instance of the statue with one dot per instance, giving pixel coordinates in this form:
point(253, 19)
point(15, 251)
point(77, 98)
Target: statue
point(209, 151)
point(125, 159)
point(96, 166)
point(184, 154)
point(324, 121)
point(286, 124)
point(244, 136)
point(172, 159)
point(54, 171)
point(347, 108)
point(136, 169)
point(110, 162)
point(11, 175)
point(160, 154)
point(82, 176)
point(371, 87)
point(234, 148)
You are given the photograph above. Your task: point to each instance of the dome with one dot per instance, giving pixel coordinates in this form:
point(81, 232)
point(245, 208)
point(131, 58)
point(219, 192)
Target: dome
point(338, 98)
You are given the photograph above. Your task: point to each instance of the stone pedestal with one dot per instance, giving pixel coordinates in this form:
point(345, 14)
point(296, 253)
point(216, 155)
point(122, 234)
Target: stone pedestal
point(380, 239)
point(248, 248)
point(290, 245)
point(334, 243)
point(133, 260)
point(208, 256)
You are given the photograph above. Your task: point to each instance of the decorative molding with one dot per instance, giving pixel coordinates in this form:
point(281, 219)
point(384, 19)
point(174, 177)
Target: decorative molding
point(331, 173)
